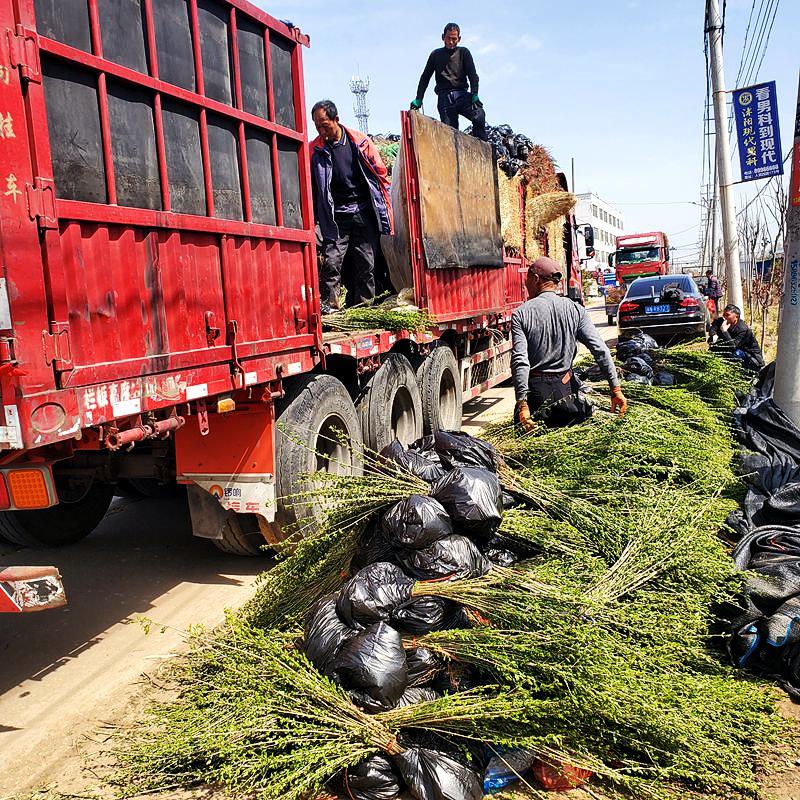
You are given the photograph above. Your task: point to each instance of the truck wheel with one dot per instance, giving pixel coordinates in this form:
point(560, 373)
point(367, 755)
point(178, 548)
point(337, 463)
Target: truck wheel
point(78, 513)
point(610, 319)
point(390, 405)
point(151, 487)
point(318, 431)
point(439, 383)
point(241, 536)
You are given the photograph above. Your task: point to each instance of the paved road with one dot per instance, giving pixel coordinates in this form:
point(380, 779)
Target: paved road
point(67, 671)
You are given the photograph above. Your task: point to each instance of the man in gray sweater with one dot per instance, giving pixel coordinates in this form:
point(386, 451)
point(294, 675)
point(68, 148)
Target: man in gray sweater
point(545, 333)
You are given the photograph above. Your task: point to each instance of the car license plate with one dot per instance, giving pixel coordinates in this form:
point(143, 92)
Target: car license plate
point(657, 310)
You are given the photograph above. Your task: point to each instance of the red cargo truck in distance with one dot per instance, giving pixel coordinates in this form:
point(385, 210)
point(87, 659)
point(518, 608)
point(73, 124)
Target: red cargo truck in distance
point(636, 255)
point(159, 316)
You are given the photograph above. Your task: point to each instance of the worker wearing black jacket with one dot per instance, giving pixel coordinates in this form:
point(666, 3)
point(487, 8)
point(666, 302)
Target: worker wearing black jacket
point(456, 83)
point(730, 336)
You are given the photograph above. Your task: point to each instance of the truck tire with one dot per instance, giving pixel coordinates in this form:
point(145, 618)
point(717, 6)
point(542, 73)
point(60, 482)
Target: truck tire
point(390, 406)
point(324, 434)
point(610, 319)
point(241, 536)
point(71, 520)
point(439, 382)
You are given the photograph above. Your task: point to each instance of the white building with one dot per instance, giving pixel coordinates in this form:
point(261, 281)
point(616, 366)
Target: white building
point(607, 221)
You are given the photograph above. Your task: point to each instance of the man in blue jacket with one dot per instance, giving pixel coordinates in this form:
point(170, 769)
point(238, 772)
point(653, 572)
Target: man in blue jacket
point(351, 205)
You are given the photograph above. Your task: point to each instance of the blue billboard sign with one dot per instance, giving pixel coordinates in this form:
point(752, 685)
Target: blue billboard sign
point(759, 135)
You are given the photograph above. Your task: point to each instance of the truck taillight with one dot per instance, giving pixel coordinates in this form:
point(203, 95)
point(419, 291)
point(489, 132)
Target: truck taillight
point(4, 501)
point(30, 488)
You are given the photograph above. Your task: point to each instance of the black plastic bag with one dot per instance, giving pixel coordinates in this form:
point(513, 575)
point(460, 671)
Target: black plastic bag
point(372, 547)
point(373, 664)
point(373, 593)
point(417, 521)
point(417, 694)
point(325, 633)
point(459, 449)
point(413, 461)
point(433, 775)
point(454, 557)
point(473, 499)
point(423, 666)
point(632, 377)
point(375, 778)
point(784, 506)
point(425, 614)
point(504, 551)
point(628, 349)
point(663, 378)
point(638, 366)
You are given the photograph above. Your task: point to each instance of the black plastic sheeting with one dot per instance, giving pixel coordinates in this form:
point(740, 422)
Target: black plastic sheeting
point(635, 344)
point(765, 624)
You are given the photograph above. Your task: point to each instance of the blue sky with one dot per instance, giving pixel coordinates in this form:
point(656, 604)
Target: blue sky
point(618, 85)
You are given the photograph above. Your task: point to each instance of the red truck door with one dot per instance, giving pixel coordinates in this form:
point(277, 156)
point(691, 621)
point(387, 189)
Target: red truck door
point(170, 184)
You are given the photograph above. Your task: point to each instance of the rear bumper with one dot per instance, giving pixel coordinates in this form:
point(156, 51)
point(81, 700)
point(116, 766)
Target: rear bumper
point(697, 324)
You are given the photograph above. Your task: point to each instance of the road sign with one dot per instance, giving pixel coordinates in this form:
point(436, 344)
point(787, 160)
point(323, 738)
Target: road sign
point(757, 131)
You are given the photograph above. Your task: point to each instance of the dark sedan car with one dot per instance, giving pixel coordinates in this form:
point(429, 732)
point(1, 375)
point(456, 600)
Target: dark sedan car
point(666, 305)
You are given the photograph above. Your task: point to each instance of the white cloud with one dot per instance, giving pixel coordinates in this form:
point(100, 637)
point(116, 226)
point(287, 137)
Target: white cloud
point(487, 48)
point(528, 42)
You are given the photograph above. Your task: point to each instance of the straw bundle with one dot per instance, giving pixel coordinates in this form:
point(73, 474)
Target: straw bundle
point(510, 222)
point(555, 240)
point(544, 208)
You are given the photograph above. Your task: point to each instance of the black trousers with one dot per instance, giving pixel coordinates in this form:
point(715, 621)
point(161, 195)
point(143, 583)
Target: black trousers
point(556, 399)
point(459, 102)
point(358, 234)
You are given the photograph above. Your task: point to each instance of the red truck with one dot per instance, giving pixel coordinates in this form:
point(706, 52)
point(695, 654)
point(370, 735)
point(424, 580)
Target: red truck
point(636, 255)
point(159, 315)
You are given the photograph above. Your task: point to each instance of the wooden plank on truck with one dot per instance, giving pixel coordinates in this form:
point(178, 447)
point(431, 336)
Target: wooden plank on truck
point(458, 197)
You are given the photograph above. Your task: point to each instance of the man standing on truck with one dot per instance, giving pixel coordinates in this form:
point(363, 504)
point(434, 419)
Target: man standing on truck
point(351, 204)
point(456, 83)
point(544, 336)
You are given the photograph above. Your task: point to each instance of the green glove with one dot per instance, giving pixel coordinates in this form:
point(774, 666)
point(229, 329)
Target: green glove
point(476, 101)
point(416, 104)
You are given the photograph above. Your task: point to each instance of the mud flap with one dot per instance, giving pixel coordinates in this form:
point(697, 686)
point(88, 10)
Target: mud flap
point(208, 516)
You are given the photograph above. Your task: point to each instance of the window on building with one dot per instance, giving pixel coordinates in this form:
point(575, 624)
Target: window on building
point(594, 211)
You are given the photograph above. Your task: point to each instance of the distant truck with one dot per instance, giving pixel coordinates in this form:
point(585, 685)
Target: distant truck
point(637, 255)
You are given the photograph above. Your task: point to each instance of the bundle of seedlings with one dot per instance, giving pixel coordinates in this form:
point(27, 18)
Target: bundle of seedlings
point(391, 314)
point(456, 636)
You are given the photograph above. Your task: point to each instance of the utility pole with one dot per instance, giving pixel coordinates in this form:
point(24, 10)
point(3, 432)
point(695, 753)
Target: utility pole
point(730, 239)
point(787, 365)
point(573, 176)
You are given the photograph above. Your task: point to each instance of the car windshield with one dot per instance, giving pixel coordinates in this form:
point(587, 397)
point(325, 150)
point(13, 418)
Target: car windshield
point(637, 256)
point(654, 287)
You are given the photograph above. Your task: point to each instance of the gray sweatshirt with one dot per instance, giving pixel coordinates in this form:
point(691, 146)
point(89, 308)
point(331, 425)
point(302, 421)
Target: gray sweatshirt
point(545, 333)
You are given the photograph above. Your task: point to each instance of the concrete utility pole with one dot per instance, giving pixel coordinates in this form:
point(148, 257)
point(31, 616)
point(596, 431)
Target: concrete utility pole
point(733, 272)
point(787, 365)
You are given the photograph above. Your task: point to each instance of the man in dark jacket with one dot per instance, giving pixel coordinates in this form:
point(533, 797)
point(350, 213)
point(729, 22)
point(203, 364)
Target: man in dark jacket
point(732, 338)
point(456, 83)
point(351, 204)
point(545, 333)
point(713, 291)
